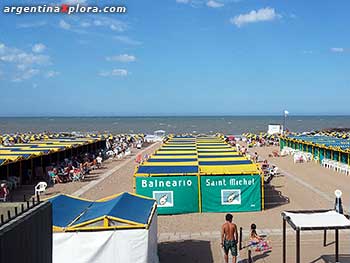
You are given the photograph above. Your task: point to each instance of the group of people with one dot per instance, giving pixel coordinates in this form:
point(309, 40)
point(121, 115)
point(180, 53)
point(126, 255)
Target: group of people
point(120, 145)
point(74, 169)
point(229, 239)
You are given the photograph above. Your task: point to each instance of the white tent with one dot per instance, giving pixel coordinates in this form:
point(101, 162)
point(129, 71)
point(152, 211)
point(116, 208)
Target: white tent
point(121, 228)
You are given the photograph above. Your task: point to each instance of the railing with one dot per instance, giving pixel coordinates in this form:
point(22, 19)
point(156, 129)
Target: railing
point(24, 208)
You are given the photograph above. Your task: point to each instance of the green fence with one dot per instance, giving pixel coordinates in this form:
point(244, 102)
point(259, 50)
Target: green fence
point(174, 194)
point(231, 193)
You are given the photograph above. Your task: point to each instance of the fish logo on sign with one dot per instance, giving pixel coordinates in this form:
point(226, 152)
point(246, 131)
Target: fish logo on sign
point(164, 198)
point(231, 197)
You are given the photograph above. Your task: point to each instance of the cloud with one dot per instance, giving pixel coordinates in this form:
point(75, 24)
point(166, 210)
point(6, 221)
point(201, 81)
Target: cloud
point(51, 74)
point(261, 15)
point(32, 25)
point(114, 72)
point(38, 48)
point(127, 40)
point(20, 65)
point(24, 59)
point(214, 4)
point(64, 25)
point(122, 58)
point(337, 49)
point(85, 24)
point(183, 1)
point(27, 74)
point(113, 24)
point(79, 25)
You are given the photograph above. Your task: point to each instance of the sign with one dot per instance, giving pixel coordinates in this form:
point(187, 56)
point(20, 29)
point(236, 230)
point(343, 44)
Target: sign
point(274, 129)
point(231, 193)
point(174, 194)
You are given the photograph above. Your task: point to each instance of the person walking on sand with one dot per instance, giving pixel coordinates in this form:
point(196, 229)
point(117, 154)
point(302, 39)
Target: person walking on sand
point(229, 238)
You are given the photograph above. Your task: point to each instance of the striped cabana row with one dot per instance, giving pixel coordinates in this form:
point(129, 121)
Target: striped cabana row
point(180, 173)
point(320, 146)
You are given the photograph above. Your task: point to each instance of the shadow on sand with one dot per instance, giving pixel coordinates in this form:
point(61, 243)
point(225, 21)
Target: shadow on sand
point(256, 257)
point(186, 251)
point(343, 258)
point(274, 197)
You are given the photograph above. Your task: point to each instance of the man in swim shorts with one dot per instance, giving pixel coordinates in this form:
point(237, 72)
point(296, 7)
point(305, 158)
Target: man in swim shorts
point(229, 238)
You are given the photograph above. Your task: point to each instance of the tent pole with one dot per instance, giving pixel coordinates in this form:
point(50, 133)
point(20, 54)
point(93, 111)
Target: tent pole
point(298, 246)
point(284, 241)
point(20, 171)
point(337, 245)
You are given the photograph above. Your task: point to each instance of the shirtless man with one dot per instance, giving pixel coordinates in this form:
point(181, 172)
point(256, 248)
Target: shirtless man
point(229, 237)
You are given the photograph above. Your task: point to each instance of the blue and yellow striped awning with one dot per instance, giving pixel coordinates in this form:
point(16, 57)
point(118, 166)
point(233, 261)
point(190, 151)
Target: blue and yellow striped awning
point(47, 144)
point(205, 156)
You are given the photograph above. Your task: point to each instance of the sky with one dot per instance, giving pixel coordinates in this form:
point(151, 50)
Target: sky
point(177, 57)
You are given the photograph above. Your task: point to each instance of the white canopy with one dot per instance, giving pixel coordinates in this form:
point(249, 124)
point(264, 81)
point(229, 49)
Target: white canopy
point(327, 219)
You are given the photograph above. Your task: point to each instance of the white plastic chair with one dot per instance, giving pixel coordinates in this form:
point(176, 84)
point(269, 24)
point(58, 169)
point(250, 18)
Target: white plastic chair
point(275, 171)
point(344, 168)
point(40, 188)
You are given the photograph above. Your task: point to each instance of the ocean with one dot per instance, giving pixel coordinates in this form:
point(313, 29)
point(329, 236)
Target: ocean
point(210, 124)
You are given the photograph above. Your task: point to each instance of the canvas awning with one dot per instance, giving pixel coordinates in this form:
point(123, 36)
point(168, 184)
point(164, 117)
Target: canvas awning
point(123, 210)
point(307, 220)
point(317, 220)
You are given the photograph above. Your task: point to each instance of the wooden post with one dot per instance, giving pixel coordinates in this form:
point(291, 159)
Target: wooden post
point(240, 238)
point(325, 237)
point(32, 170)
point(298, 246)
point(20, 171)
point(337, 245)
point(284, 242)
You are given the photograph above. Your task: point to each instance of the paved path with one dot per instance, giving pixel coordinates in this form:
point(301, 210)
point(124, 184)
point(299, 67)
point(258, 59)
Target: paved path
point(307, 185)
point(92, 184)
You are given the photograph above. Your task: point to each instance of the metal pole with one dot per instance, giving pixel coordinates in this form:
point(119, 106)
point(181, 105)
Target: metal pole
point(298, 246)
point(284, 241)
point(337, 245)
point(325, 237)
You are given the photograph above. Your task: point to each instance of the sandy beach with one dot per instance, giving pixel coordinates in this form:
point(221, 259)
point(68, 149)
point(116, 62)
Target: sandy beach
point(196, 237)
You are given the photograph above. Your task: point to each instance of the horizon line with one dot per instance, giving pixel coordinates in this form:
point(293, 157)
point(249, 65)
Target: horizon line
point(173, 116)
